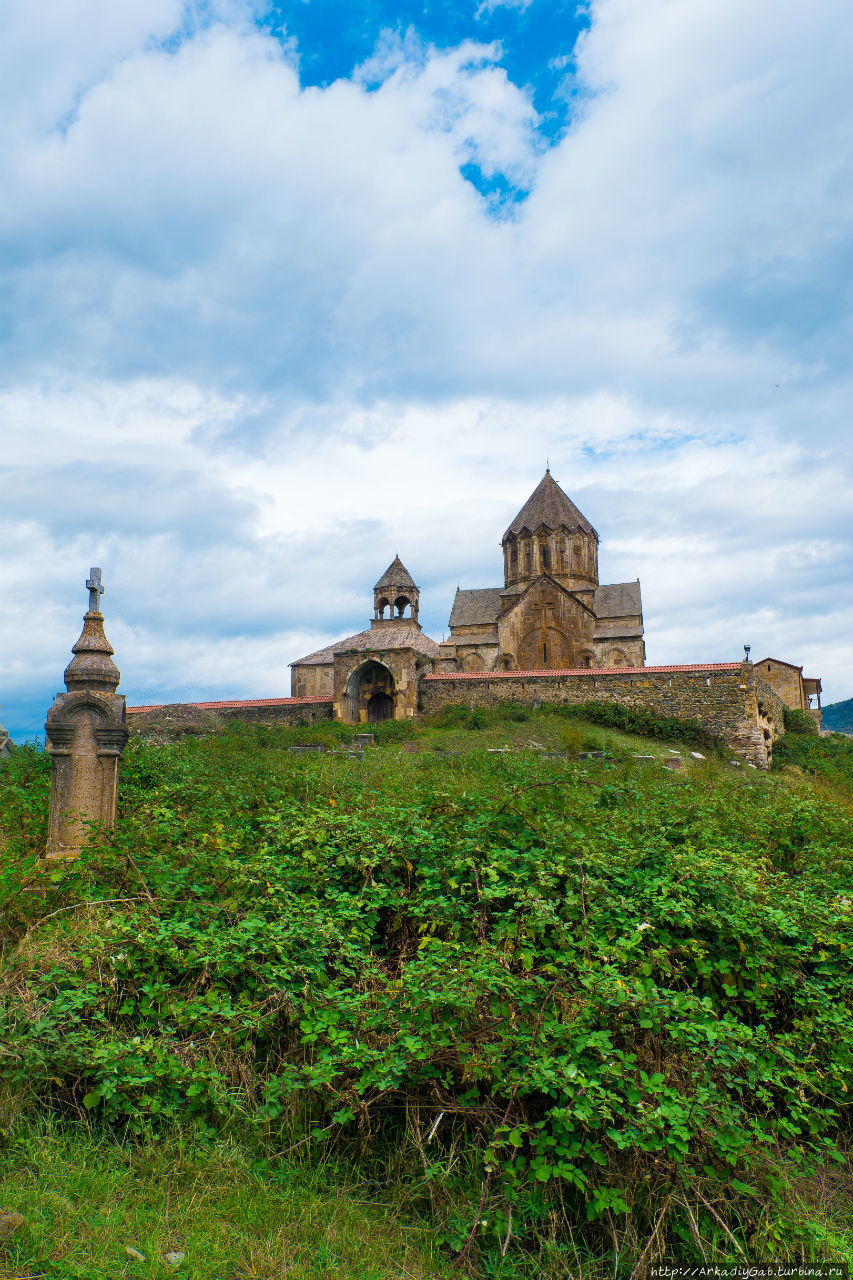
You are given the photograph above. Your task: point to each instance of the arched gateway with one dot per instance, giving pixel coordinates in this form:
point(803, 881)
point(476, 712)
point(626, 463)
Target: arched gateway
point(370, 693)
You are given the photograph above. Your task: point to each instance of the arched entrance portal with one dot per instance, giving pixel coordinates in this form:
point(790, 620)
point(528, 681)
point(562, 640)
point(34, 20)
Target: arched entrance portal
point(370, 693)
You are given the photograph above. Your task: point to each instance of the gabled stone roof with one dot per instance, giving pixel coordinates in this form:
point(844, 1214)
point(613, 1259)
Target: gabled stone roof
point(482, 605)
point(472, 637)
point(396, 575)
point(476, 608)
point(617, 600)
point(548, 505)
point(377, 638)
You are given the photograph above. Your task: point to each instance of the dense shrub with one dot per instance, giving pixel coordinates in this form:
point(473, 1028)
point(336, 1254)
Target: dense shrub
point(828, 756)
point(452, 716)
point(648, 724)
point(798, 722)
point(512, 713)
point(607, 993)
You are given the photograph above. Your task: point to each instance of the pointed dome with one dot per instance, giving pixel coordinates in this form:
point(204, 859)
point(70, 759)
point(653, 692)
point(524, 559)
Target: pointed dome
point(396, 575)
point(92, 666)
point(548, 505)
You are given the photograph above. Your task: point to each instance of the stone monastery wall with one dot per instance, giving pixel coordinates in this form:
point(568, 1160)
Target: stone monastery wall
point(725, 697)
point(195, 717)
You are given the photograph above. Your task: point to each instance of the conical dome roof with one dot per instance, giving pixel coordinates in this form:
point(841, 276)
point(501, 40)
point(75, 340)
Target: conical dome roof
point(548, 505)
point(92, 666)
point(396, 575)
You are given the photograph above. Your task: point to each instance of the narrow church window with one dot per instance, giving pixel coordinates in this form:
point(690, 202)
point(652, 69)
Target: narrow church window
point(546, 560)
point(545, 653)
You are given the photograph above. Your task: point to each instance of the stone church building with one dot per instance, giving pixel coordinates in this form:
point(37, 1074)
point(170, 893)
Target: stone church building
point(374, 674)
point(551, 614)
point(551, 634)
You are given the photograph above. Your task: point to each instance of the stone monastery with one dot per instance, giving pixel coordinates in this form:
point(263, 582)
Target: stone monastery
point(551, 614)
point(551, 634)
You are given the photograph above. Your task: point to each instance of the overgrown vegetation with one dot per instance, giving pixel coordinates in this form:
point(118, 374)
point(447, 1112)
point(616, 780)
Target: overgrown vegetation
point(829, 758)
point(580, 1015)
point(799, 723)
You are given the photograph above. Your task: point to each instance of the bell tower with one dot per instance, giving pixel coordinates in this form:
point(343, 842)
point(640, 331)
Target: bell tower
point(549, 535)
point(396, 597)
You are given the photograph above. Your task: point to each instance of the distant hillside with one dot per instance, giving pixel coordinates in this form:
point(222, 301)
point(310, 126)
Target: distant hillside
point(839, 716)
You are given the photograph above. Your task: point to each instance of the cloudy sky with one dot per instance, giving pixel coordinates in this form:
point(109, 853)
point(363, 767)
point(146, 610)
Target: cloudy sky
point(290, 287)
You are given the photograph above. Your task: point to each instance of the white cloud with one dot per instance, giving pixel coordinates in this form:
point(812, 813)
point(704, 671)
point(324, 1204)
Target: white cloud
point(264, 334)
point(489, 6)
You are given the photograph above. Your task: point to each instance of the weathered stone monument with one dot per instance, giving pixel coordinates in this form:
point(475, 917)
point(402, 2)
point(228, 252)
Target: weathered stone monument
point(4, 742)
point(86, 735)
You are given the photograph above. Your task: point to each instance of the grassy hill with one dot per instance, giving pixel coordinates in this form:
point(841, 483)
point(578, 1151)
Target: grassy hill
point(464, 1001)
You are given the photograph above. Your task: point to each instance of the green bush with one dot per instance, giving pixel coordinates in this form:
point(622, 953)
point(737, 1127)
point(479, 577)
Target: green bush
point(391, 730)
point(828, 756)
point(477, 719)
point(565, 999)
point(645, 723)
point(452, 716)
point(510, 712)
point(798, 722)
point(576, 738)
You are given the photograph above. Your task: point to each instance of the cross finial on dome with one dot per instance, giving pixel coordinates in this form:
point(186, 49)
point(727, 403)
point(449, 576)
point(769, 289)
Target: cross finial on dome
point(96, 589)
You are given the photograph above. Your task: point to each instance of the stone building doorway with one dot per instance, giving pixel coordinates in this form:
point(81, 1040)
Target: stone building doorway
point(370, 693)
point(380, 707)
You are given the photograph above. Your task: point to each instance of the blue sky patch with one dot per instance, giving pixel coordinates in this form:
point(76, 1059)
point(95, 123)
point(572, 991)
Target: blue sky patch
point(537, 41)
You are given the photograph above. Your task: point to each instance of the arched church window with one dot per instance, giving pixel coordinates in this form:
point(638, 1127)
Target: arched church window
point(546, 556)
point(400, 605)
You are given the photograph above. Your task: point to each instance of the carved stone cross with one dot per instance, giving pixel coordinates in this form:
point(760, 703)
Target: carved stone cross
point(95, 589)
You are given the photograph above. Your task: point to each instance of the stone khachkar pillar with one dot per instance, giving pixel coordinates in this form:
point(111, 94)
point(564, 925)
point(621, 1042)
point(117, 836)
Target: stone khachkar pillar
point(86, 734)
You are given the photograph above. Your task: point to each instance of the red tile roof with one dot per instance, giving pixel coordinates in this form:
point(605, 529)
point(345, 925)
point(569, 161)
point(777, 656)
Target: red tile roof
point(585, 671)
point(246, 702)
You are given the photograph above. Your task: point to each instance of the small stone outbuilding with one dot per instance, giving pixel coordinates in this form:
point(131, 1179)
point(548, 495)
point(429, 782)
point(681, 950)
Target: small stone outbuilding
point(373, 675)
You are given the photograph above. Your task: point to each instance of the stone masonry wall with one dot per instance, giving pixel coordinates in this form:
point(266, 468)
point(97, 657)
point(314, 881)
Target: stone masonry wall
point(723, 697)
point(175, 719)
point(771, 711)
